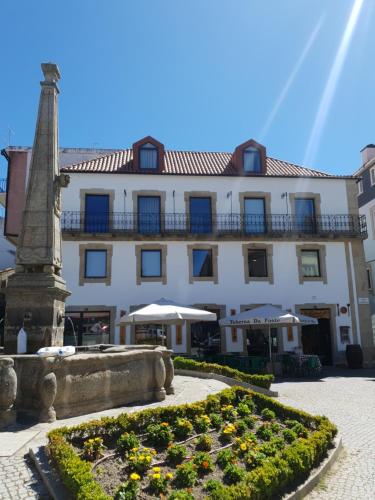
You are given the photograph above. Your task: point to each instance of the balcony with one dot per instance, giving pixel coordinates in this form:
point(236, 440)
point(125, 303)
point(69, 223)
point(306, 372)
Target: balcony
point(130, 225)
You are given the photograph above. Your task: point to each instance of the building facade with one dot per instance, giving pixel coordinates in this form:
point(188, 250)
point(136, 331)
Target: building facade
point(221, 231)
point(366, 204)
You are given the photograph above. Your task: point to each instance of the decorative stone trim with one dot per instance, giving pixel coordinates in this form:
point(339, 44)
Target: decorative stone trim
point(315, 196)
point(269, 254)
point(322, 263)
point(151, 279)
point(255, 194)
point(214, 251)
point(82, 257)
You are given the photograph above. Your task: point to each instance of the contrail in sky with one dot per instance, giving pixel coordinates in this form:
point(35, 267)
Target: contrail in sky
point(331, 84)
point(291, 78)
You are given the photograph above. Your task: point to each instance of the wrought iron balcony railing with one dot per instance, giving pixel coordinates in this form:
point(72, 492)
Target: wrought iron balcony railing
point(3, 185)
point(179, 224)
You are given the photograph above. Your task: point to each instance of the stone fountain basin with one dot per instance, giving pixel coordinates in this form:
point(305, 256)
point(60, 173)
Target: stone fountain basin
point(62, 387)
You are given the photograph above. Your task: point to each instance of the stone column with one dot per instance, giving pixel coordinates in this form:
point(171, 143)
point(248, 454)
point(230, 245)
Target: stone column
point(36, 292)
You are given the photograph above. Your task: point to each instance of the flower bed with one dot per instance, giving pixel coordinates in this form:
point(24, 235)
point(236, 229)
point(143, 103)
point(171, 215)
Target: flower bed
point(264, 381)
point(236, 444)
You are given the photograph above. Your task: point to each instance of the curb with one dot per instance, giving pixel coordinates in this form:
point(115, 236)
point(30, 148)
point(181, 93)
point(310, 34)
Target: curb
point(226, 380)
point(318, 473)
point(51, 481)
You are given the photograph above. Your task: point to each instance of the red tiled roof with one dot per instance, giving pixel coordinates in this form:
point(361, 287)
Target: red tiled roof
point(189, 163)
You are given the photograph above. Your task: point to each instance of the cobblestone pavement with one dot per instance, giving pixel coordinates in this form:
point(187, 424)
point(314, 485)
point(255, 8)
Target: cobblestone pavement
point(348, 399)
point(18, 478)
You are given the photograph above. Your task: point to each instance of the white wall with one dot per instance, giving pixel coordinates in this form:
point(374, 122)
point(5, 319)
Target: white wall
point(332, 191)
point(231, 290)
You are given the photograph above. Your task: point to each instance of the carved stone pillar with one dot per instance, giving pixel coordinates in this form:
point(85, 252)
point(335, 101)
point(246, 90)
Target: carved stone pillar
point(8, 391)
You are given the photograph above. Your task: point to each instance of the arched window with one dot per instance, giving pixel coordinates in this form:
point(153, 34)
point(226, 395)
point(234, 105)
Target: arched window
point(148, 156)
point(251, 160)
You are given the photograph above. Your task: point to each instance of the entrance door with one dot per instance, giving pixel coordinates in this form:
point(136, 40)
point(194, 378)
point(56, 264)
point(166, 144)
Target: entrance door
point(97, 213)
point(87, 328)
point(316, 339)
point(206, 336)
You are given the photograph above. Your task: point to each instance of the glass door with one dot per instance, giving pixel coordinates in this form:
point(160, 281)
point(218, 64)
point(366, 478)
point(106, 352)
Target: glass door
point(149, 217)
point(200, 215)
point(305, 215)
point(97, 213)
point(254, 216)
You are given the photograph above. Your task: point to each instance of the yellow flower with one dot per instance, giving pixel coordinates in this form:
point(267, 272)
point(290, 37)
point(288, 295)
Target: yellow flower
point(243, 447)
point(156, 476)
point(169, 476)
point(134, 450)
point(153, 452)
point(141, 457)
point(156, 469)
point(135, 476)
point(148, 458)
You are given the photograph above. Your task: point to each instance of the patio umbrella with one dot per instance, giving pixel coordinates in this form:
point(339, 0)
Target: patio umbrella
point(267, 315)
point(166, 312)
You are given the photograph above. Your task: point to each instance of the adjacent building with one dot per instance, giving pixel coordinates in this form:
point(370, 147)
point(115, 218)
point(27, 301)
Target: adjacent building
point(221, 231)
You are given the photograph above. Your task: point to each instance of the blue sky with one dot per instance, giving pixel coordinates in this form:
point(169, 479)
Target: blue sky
point(196, 74)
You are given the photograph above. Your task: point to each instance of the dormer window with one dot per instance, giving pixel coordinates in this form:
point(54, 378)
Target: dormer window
point(148, 156)
point(252, 160)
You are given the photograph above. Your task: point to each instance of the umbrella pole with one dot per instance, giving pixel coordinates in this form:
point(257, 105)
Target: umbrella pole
point(269, 342)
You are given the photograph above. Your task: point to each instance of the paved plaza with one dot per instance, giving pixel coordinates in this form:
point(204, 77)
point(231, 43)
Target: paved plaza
point(346, 397)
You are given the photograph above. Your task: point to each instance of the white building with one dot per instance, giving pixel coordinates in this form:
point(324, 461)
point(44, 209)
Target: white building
point(221, 231)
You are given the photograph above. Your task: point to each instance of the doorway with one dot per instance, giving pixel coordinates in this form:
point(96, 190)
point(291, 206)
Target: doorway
point(317, 339)
point(87, 327)
point(206, 335)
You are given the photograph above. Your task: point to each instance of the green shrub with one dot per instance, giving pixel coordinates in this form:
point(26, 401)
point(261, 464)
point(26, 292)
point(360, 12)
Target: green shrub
point(233, 474)
point(249, 421)
point(176, 454)
point(254, 459)
point(225, 457)
point(243, 409)
point(203, 462)
point(216, 420)
point(180, 495)
point(128, 490)
point(202, 423)
point(190, 364)
point(241, 427)
point(140, 460)
point(183, 428)
point(186, 475)
point(93, 448)
point(158, 484)
point(160, 435)
point(204, 442)
point(297, 427)
point(127, 442)
point(264, 432)
point(289, 435)
point(268, 414)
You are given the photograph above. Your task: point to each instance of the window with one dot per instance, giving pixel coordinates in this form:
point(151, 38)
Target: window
point(310, 263)
point(150, 263)
point(148, 156)
point(257, 263)
point(372, 176)
point(200, 215)
point(95, 263)
point(202, 263)
point(88, 327)
point(369, 278)
point(96, 213)
point(305, 214)
point(251, 160)
point(149, 216)
point(360, 186)
point(254, 215)
point(345, 334)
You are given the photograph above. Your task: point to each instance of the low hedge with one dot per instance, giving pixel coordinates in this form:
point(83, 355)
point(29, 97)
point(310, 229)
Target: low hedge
point(278, 474)
point(264, 381)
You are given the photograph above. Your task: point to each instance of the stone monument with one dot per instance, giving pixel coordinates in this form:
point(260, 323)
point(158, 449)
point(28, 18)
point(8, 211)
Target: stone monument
point(36, 292)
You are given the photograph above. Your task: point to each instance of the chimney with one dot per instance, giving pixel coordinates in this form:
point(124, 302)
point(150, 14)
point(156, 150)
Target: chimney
point(368, 152)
